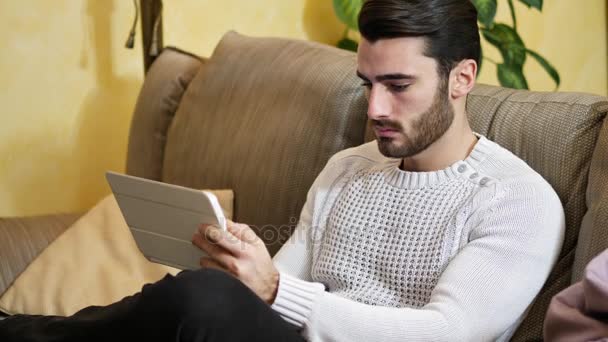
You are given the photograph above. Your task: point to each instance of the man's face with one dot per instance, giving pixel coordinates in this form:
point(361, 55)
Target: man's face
point(409, 104)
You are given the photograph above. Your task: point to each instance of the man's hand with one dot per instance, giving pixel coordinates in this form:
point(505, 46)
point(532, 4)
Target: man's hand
point(241, 253)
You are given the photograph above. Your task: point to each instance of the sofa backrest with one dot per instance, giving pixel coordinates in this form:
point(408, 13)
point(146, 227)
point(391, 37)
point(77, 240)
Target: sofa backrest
point(158, 100)
point(263, 115)
point(556, 134)
point(261, 119)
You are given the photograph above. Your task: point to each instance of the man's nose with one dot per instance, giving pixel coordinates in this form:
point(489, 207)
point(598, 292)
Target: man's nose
point(378, 106)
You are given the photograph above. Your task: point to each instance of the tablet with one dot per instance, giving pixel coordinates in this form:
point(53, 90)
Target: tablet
point(163, 217)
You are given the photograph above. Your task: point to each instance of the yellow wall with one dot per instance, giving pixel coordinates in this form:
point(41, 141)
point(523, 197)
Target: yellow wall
point(199, 24)
point(69, 86)
point(570, 34)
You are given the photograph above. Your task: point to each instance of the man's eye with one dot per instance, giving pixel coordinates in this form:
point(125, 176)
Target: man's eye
point(399, 87)
point(366, 85)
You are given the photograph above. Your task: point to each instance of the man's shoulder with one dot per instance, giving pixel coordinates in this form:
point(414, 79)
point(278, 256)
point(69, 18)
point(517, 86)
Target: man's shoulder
point(533, 206)
point(509, 170)
point(365, 154)
point(347, 162)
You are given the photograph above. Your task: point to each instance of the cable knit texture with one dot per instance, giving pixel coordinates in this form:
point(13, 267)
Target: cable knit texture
point(386, 245)
point(452, 255)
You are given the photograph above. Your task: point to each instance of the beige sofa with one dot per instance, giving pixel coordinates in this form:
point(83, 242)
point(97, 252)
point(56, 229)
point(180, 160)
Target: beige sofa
point(262, 116)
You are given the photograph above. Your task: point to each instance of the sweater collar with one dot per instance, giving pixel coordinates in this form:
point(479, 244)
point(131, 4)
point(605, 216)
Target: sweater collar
point(462, 168)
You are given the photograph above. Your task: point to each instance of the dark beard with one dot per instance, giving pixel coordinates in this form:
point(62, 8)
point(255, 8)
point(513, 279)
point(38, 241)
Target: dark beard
point(431, 126)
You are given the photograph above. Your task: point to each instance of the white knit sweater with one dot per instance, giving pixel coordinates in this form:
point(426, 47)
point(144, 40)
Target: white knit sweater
point(382, 254)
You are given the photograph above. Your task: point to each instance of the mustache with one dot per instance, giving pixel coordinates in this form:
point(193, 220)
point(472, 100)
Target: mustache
point(387, 124)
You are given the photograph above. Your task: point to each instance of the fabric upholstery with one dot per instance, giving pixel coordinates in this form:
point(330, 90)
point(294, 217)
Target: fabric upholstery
point(94, 262)
point(555, 133)
point(593, 237)
point(263, 117)
point(157, 103)
point(23, 238)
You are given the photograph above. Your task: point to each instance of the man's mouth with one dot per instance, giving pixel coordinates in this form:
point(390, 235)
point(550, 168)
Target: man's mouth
point(385, 132)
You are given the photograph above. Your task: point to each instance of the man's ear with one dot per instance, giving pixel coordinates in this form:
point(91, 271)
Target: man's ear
point(463, 78)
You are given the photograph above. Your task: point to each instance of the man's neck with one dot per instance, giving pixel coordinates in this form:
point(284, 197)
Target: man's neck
point(456, 144)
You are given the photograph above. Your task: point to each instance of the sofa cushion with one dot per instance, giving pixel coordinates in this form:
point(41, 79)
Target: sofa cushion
point(23, 238)
point(555, 133)
point(94, 262)
point(262, 119)
point(158, 100)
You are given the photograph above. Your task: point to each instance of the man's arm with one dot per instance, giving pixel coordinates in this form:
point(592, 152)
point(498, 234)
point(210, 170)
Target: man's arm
point(514, 242)
point(295, 256)
point(241, 253)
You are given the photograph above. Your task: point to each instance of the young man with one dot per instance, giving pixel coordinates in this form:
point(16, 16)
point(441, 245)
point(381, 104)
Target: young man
point(430, 233)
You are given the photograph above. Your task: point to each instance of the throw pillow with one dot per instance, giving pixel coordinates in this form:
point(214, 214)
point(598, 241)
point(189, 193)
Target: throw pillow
point(94, 262)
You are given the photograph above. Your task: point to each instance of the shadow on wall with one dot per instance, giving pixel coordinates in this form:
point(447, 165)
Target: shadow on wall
point(71, 175)
point(320, 22)
point(105, 114)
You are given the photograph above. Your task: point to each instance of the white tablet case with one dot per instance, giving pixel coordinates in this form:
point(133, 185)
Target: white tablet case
point(163, 217)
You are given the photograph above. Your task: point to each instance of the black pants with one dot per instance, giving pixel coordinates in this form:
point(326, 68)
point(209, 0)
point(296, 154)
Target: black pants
point(203, 305)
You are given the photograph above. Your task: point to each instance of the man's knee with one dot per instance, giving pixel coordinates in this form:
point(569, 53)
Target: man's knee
point(205, 295)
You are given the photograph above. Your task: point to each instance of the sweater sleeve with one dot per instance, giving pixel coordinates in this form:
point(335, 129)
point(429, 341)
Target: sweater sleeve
point(513, 243)
point(296, 293)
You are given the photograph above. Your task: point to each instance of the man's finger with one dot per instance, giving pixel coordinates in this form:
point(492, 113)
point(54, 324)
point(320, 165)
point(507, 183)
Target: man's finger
point(242, 232)
point(218, 237)
point(213, 250)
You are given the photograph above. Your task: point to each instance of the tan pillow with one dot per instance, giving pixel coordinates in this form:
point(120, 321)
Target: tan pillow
point(95, 262)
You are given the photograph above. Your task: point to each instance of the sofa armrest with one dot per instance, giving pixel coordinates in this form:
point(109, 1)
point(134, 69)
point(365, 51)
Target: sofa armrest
point(22, 239)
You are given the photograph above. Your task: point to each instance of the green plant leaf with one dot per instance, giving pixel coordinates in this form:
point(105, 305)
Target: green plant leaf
point(513, 17)
point(486, 11)
point(508, 42)
point(348, 12)
point(511, 76)
point(348, 44)
point(538, 4)
point(550, 69)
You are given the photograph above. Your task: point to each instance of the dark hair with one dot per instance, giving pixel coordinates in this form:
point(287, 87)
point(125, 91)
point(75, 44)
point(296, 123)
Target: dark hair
point(449, 26)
